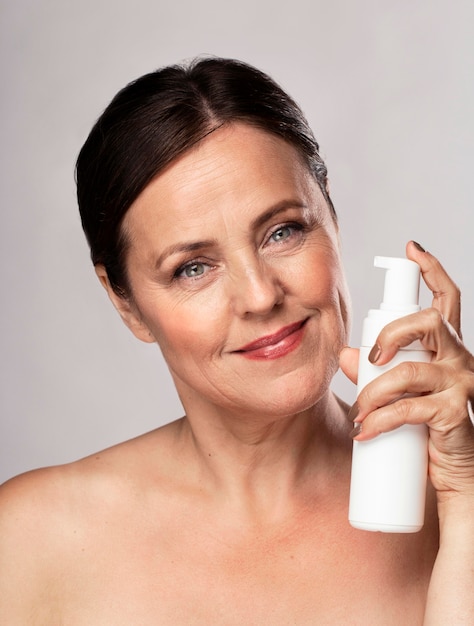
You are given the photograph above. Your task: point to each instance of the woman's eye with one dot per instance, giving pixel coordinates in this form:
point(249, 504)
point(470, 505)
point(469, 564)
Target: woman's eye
point(282, 233)
point(192, 270)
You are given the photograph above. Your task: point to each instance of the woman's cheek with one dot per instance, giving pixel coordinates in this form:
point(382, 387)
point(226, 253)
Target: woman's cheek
point(189, 328)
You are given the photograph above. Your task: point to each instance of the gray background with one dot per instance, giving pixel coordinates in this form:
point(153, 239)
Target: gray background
point(388, 88)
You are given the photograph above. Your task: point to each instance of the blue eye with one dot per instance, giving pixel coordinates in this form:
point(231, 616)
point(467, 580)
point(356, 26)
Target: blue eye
point(282, 233)
point(286, 232)
point(192, 270)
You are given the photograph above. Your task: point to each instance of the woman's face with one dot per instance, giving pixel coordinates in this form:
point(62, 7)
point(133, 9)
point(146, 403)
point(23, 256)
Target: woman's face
point(235, 271)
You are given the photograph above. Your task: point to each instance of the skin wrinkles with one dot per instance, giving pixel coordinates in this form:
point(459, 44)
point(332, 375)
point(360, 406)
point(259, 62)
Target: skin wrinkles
point(235, 181)
point(194, 246)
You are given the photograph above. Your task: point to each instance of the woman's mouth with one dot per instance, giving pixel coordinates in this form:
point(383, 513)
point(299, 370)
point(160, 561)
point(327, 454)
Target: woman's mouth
point(276, 345)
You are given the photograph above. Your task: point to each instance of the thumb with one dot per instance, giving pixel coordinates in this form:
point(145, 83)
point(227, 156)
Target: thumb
point(349, 362)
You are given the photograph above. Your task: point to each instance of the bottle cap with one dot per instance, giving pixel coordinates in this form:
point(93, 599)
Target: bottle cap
point(402, 284)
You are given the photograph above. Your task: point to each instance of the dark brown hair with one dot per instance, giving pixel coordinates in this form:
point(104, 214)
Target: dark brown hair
point(155, 119)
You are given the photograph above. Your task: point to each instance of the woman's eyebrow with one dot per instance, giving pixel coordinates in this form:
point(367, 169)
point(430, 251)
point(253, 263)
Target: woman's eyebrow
point(260, 220)
point(281, 206)
point(183, 247)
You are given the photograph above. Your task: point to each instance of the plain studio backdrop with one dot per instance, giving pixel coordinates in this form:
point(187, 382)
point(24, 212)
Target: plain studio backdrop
point(388, 88)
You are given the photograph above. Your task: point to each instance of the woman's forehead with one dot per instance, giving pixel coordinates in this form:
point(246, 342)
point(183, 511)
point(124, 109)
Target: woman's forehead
point(235, 168)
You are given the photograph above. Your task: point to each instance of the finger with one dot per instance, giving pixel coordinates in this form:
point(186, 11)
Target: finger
point(349, 363)
point(412, 393)
point(405, 378)
point(446, 294)
point(404, 411)
point(428, 326)
point(434, 410)
point(388, 418)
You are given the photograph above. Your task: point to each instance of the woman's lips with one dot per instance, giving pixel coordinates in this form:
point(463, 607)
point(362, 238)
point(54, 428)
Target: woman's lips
point(276, 345)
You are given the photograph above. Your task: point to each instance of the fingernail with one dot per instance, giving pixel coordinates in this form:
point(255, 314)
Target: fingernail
point(353, 412)
point(356, 430)
point(375, 353)
point(418, 247)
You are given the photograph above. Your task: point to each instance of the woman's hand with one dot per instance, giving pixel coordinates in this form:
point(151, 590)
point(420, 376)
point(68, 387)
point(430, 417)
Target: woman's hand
point(444, 388)
point(444, 400)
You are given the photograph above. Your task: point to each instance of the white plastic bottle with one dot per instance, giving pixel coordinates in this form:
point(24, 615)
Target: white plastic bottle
point(389, 472)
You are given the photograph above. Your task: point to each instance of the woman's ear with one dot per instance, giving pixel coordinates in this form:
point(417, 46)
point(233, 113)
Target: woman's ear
point(125, 308)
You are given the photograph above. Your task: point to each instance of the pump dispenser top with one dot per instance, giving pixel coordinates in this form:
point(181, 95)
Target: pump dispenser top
point(401, 295)
point(402, 284)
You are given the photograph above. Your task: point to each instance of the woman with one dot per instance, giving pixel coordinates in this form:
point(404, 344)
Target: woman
point(205, 203)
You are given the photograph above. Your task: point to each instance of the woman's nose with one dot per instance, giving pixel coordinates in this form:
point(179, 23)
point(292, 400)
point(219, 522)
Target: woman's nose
point(256, 290)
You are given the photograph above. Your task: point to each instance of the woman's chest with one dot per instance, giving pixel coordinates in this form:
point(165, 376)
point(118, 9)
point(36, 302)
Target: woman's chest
point(200, 577)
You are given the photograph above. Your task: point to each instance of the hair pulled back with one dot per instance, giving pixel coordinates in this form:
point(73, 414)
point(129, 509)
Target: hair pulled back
point(154, 120)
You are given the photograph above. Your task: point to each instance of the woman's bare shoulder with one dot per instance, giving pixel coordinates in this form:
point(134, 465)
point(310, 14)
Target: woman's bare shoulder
point(26, 498)
point(48, 515)
point(29, 532)
point(44, 492)
point(44, 503)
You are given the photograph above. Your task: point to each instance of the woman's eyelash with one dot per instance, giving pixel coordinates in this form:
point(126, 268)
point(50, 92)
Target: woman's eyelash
point(191, 269)
point(284, 231)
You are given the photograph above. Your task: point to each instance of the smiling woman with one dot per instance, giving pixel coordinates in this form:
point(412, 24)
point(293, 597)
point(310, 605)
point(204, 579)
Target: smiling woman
point(216, 240)
point(204, 200)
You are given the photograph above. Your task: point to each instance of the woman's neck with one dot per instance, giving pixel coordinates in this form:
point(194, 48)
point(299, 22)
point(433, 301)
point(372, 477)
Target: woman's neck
point(260, 464)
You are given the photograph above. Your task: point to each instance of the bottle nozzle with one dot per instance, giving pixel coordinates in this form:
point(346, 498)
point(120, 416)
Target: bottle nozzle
point(402, 284)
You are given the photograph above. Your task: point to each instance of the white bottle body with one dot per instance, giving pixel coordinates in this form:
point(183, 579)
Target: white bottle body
point(389, 472)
